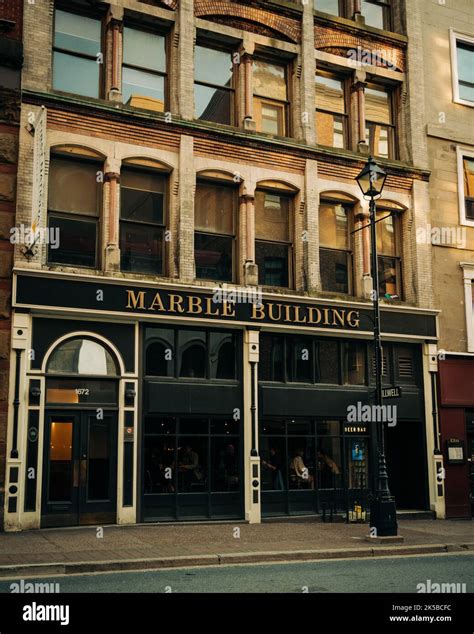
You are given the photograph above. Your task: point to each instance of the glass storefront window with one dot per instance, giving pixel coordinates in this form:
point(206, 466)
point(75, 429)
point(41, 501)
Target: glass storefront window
point(300, 359)
point(192, 354)
point(327, 362)
point(222, 355)
point(301, 463)
point(329, 457)
point(353, 363)
point(225, 472)
point(159, 356)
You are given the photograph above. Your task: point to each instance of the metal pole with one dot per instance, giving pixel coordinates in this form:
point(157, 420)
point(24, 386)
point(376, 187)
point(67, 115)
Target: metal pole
point(383, 511)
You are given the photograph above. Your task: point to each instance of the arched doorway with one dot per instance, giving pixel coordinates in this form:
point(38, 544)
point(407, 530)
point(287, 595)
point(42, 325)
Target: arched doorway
point(80, 434)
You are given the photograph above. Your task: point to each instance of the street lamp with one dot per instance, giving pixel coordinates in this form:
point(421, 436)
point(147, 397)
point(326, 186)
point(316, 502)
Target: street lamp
point(383, 513)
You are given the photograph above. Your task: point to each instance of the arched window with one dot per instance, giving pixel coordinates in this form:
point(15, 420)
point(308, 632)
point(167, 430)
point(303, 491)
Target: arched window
point(74, 203)
point(193, 361)
point(82, 357)
point(158, 361)
point(389, 249)
point(335, 253)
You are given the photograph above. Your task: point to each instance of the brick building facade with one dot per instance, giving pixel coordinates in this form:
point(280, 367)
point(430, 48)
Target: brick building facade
point(249, 122)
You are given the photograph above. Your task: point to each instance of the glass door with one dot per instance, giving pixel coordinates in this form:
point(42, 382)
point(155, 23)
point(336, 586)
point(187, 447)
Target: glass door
point(80, 468)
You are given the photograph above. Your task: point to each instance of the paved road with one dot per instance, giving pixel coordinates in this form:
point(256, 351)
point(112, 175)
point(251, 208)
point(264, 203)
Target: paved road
point(387, 574)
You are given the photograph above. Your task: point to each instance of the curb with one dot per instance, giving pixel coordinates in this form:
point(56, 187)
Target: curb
point(163, 563)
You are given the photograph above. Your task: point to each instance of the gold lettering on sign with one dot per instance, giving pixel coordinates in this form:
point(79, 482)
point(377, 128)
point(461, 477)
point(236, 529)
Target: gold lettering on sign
point(338, 316)
point(228, 309)
point(258, 311)
point(270, 312)
point(353, 318)
point(157, 303)
point(134, 301)
point(287, 313)
point(176, 304)
point(326, 316)
point(209, 312)
point(311, 311)
point(297, 316)
point(194, 303)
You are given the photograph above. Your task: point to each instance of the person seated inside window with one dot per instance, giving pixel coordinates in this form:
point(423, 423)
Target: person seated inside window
point(328, 469)
point(274, 464)
point(189, 469)
point(299, 473)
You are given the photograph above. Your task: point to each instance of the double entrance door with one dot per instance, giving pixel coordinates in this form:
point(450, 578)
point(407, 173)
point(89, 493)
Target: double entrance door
point(80, 468)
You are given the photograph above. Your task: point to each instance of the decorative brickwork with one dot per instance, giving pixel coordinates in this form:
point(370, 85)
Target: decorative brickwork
point(246, 15)
point(338, 42)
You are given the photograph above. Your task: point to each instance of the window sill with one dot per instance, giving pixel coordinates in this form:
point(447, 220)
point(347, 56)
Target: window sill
point(464, 102)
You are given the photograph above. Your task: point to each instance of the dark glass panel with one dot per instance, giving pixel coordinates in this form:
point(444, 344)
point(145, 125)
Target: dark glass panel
point(98, 460)
point(274, 462)
point(222, 355)
point(298, 428)
point(273, 263)
point(159, 359)
point(301, 463)
point(329, 463)
point(225, 461)
point(225, 426)
point(192, 353)
point(273, 427)
point(142, 197)
point(327, 362)
point(329, 428)
point(215, 208)
point(213, 255)
point(300, 359)
point(213, 104)
point(193, 426)
point(159, 425)
point(81, 391)
point(334, 270)
point(77, 241)
point(141, 248)
point(354, 361)
point(160, 465)
point(192, 464)
point(73, 186)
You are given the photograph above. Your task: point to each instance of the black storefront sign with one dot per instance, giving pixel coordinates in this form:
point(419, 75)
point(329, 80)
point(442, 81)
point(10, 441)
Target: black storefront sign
point(152, 301)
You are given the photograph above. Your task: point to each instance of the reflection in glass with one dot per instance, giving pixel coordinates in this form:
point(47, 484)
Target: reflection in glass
point(225, 473)
point(192, 353)
point(81, 356)
point(98, 460)
point(60, 461)
point(330, 111)
point(354, 354)
point(273, 461)
point(465, 58)
point(192, 464)
point(301, 463)
point(213, 89)
point(329, 463)
point(144, 67)
point(222, 356)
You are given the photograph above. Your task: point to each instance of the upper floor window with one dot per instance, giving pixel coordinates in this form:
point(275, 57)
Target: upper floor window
point(273, 243)
point(214, 235)
point(465, 160)
point(76, 54)
point(379, 121)
point(388, 253)
point(74, 202)
point(335, 253)
point(142, 221)
point(144, 69)
point(331, 110)
point(270, 99)
point(462, 62)
point(214, 85)
point(334, 7)
point(377, 13)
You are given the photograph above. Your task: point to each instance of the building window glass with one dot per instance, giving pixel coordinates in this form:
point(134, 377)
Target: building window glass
point(142, 221)
point(376, 13)
point(379, 121)
point(77, 45)
point(468, 178)
point(335, 251)
point(331, 111)
point(388, 254)
point(74, 200)
point(353, 363)
point(273, 247)
point(213, 85)
point(270, 98)
point(328, 6)
point(465, 66)
point(81, 356)
point(214, 237)
point(144, 69)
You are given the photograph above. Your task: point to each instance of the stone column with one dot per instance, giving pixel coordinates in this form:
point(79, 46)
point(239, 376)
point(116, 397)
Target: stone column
point(186, 191)
point(246, 84)
point(185, 75)
point(250, 268)
point(114, 53)
point(311, 229)
point(308, 72)
point(252, 475)
point(362, 250)
point(358, 88)
point(111, 215)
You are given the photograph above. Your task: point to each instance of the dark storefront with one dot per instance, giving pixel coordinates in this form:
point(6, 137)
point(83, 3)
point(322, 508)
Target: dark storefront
point(456, 411)
point(148, 405)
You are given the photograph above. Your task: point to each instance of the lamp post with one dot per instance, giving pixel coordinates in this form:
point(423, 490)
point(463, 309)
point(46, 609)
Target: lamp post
point(383, 515)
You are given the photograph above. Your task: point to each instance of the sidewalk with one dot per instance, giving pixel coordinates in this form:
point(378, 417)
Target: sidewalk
point(61, 551)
